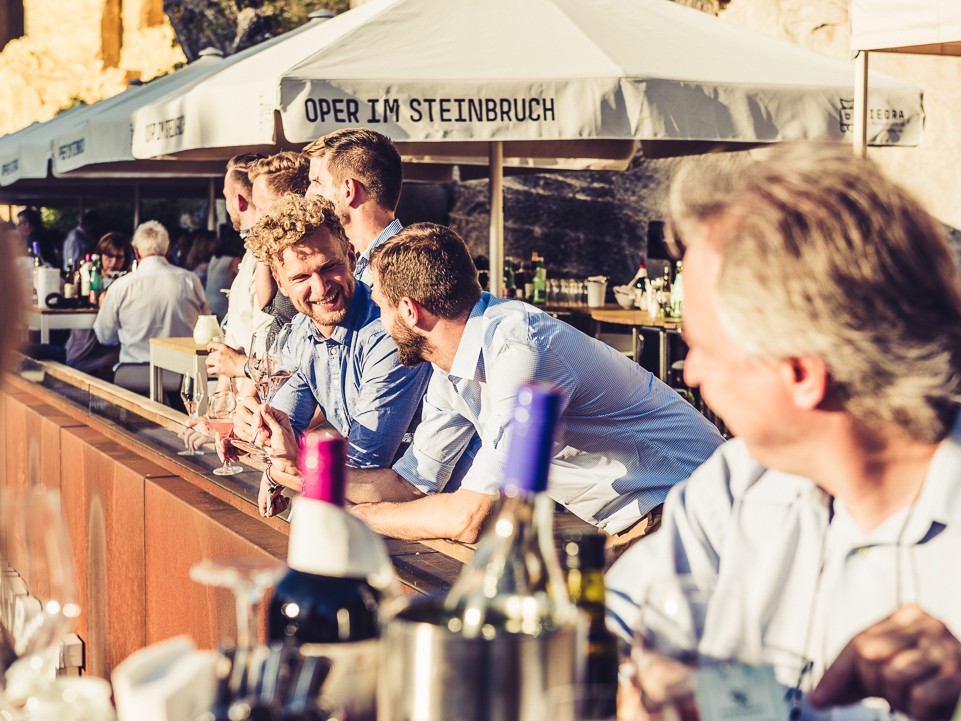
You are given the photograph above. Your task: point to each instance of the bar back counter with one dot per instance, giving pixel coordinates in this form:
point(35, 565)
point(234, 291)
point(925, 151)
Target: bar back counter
point(139, 515)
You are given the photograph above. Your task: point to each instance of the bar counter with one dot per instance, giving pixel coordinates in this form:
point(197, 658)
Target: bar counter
point(139, 515)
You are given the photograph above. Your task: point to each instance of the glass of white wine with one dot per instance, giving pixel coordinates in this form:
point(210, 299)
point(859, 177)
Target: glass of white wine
point(192, 394)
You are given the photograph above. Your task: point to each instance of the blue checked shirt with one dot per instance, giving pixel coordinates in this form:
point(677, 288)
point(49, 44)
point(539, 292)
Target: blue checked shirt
point(363, 271)
point(625, 438)
point(356, 379)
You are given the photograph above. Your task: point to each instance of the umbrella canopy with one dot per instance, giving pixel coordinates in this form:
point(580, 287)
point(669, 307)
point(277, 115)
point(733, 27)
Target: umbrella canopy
point(929, 27)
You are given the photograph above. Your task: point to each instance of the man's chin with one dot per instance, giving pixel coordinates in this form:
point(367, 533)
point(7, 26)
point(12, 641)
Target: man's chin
point(331, 318)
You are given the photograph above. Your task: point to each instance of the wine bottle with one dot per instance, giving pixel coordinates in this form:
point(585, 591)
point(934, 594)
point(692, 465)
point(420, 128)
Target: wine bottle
point(585, 562)
point(539, 280)
point(514, 583)
point(85, 277)
point(677, 293)
point(96, 280)
point(339, 574)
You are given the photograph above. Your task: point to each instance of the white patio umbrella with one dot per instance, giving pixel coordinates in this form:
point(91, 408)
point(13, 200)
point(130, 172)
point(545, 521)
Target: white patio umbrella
point(539, 83)
point(925, 27)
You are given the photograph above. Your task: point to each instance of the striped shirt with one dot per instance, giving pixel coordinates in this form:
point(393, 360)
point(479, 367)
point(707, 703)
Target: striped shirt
point(356, 379)
point(625, 438)
point(363, 271)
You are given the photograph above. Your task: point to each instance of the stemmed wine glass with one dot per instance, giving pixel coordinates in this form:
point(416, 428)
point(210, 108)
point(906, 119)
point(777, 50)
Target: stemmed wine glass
point(278, 371)
point(192, 394)
point(257, 363)
point(35, 553)
point(220, 415)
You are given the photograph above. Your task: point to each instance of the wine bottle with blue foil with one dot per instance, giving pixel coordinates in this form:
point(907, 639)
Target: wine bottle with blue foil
point(329, 600)
point(514, 583)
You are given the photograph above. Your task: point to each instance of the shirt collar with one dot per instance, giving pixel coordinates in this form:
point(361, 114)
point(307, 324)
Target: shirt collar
point(392, 229)
point(362, 311)
point(152, 260)
point(467, 359)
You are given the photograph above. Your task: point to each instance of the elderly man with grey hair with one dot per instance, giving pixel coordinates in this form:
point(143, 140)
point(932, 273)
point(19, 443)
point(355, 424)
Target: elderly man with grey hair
point(158, 300)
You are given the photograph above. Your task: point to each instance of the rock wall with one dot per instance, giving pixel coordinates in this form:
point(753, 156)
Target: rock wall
point(80, 50)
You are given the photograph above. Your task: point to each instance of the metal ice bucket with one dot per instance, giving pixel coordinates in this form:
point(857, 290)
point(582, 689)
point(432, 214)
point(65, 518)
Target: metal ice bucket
point(428, 673)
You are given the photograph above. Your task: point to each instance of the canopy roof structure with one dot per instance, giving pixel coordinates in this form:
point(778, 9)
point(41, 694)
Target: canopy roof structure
point(927, 27)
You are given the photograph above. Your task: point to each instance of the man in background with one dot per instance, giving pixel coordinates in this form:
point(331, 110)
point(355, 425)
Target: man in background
point(81, 239)
point(360, 172)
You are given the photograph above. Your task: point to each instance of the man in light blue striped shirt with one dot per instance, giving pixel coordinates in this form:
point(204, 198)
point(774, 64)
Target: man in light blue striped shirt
point(625, 439)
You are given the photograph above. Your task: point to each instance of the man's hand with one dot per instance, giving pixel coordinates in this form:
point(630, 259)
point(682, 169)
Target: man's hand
point(195, 433)
point(276, 436)
point(222, 360)
point(271, 503)
point(247, 419)
point(909, 659)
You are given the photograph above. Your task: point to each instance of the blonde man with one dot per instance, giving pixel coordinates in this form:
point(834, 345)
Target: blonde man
point(823, 315)
point(360, 172)
point(344, 363)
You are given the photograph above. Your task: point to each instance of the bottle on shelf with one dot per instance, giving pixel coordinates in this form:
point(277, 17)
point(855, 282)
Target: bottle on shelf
point(69, 290)
point(584, 560)
point(639, 284)
point(96, 280)
point(85, 277)
point(677, 293)
point(538, 280)
point(339, 575)
point(510, 289)
point(514, 583)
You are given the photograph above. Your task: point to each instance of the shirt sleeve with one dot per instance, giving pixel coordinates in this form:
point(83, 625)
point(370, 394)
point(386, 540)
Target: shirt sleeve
point(390, 398)
point(439, 441)
point(106, 326)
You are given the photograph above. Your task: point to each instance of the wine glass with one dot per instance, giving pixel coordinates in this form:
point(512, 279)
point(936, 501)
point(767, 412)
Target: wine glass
point(257, 363)
point(192, 394)
point(220, 415)
point(278, 371)
point(36, 557)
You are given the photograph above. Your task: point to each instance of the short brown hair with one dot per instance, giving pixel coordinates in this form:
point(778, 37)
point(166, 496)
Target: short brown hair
point(824, 256)
point(366, 156)
point(286, 173)
point(237, 169)
point(431, 265)
point(289, 220)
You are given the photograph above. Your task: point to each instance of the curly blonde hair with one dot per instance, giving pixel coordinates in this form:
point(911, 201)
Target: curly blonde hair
point(289, 220)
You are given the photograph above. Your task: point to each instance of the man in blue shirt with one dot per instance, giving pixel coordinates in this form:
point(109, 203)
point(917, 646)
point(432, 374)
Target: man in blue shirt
point(347, 365)
point(626, 437)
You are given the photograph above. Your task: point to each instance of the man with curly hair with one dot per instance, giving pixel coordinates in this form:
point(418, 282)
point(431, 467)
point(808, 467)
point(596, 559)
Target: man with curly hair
point(346, 364)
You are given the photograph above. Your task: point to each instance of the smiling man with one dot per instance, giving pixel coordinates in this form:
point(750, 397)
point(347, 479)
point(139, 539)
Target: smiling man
point(346, 362)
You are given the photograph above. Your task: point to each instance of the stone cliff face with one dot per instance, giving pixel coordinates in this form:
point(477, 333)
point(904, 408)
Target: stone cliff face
point(80, 50)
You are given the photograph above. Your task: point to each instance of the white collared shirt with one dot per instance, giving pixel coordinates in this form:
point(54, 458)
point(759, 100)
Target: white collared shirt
point(764, 537)
point(158, 300)
point(244, 316)
point(625, 438)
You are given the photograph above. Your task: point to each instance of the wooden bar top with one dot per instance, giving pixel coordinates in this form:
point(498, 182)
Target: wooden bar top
point(63, 311)
point(617, 315)
point(184, 345)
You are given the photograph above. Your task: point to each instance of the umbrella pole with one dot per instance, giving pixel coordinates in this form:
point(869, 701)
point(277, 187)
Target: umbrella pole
point(496, 189)
point(861, 104)
point(211, 205)
point(136, 206)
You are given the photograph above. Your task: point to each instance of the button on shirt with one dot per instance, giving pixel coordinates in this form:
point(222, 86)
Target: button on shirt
point(158, 300)
point(356, 379)
point(625, 438)
point(363, 271)
point(244, 316)
point(791, 580)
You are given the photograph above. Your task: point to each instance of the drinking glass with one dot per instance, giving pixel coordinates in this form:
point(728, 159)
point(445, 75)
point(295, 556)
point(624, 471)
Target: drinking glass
point(192, 394)
point(220, 415)
point(278, 369)
point(257, 363)
point(37, 579)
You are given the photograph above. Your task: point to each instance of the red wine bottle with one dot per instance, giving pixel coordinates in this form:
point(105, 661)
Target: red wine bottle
point(330, 598)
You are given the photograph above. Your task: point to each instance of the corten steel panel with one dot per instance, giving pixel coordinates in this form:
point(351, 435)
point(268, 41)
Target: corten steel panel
point(103, 490)
point(185, 525)
point(32, 440)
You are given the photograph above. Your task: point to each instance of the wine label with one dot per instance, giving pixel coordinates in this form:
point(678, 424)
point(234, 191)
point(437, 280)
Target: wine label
point(351, 686)
point(735, 691)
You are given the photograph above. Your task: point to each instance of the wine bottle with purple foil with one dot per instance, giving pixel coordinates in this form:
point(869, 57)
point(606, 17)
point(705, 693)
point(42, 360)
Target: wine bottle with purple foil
point(514, 582)
point(339, 572)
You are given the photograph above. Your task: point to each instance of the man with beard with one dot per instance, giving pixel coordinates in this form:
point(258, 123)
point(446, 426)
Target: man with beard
point(360, 172)
point(627, 437)
point(347, 364)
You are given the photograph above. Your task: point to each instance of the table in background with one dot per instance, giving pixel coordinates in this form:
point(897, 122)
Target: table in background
point(179, 355)
point(637, 321)
point(48, 319)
